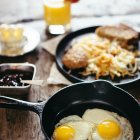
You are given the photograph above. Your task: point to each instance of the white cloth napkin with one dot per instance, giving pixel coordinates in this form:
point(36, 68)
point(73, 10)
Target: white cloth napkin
point(55, 77)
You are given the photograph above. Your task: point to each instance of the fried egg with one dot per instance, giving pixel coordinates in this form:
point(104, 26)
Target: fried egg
point(108, 125)
point(72, 128)
point(70, 118)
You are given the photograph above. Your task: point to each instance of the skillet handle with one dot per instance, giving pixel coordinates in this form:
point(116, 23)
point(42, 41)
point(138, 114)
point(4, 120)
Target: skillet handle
point(11, 103)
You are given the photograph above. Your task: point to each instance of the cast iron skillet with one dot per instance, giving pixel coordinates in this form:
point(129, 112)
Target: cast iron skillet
point(75, 76)
point(75, 99)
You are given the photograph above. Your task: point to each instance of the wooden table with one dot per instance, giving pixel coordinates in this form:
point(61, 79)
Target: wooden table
point(23, 125)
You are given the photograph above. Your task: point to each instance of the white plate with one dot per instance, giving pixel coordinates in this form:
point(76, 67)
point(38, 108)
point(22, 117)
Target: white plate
point(33, 39)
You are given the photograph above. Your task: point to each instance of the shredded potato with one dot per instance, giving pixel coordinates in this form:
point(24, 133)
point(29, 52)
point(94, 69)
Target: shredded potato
point(107, 58)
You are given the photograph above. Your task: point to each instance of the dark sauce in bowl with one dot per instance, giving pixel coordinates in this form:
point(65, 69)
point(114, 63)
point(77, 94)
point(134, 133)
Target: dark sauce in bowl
point(13, 77)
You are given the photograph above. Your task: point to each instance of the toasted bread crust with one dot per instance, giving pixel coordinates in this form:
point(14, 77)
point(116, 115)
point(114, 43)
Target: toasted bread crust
point(120, 33)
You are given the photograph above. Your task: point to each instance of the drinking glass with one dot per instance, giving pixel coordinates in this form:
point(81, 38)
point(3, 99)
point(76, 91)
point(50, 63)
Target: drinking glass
point(57, 14)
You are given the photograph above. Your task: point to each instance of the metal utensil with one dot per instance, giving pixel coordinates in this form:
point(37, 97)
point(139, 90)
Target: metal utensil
point(33, 82)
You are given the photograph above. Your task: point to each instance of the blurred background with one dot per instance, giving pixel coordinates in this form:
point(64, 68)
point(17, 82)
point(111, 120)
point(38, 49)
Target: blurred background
point(17, 10)
point(87, 12)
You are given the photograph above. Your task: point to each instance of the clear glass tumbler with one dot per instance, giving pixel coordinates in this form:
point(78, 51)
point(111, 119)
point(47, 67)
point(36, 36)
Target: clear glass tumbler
point(57, 14)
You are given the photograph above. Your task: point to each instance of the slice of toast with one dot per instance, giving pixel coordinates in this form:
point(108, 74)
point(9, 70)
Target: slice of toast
point(122, 33)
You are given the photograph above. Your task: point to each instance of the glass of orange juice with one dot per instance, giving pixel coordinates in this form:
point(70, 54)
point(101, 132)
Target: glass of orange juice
point(57, 14)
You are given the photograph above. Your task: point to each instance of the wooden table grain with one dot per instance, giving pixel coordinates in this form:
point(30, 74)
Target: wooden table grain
point(25, 125)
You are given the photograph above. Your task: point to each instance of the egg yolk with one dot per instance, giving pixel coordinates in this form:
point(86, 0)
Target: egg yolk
point(109, 129)
point(64, 133)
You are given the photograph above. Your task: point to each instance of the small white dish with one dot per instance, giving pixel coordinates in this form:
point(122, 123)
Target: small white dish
point(33, 39)
point(27, 68)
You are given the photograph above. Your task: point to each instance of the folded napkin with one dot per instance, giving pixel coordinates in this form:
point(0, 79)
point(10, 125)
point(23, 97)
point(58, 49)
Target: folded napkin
point(55, 77)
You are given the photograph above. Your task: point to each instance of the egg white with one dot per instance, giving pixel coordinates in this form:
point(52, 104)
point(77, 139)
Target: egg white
point(127, 130)
point(82, 128)
point(70, 118)
point(99, 115)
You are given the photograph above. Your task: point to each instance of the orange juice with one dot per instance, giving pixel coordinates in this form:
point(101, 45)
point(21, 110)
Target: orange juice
point(57, 12)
